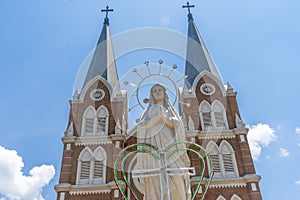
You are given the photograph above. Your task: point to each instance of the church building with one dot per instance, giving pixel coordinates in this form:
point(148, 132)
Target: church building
point(97, 129)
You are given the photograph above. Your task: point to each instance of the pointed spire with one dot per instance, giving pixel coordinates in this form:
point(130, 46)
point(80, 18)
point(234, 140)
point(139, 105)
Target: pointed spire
point(70, 130)
point(103, 61)
point(229, 89)
point(118, 129)
point(197, 56)
point(238, 122)
point(191, 124)
point(75, 95)
point(184, 121)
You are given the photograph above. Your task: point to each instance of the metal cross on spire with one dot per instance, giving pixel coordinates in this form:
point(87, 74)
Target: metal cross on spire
point(107, 10)
point(188, 6)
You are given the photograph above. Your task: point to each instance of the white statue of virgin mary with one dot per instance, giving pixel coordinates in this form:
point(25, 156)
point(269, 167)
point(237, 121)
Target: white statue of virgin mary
point(161, 126)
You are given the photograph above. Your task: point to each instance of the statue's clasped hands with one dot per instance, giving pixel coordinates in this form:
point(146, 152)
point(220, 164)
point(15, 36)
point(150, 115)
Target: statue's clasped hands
point(163, 116)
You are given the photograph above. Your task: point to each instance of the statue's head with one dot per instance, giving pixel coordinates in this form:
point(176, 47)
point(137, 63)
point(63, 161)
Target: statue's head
point(158, 95)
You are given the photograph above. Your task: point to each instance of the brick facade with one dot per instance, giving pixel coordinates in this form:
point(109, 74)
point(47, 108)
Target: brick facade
point(244, 184)
point(240, 186)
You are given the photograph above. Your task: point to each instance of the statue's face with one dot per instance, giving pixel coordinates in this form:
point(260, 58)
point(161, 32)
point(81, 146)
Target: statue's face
point(158, 93)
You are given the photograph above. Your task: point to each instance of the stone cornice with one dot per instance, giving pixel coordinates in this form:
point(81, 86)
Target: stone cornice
point(231, 94)
point(238, 131)
point(80, 141)
point(203, 135)
point(190, 134)
point(229, 182)
point(86, 189)
point(114, 99)
point(89, 192)
point(222, 134)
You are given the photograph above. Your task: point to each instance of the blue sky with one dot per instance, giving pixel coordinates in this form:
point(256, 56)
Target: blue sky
point(255, 45)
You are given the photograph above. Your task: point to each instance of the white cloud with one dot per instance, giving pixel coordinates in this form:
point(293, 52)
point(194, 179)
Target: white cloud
point(297, 182)
point(284, 152)
point(297, 130)
point(268, 157)
point(260, 136)
point(279, 127)
point(14, 184)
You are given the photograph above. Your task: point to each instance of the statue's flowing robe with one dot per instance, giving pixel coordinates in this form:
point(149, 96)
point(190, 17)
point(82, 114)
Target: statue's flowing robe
point(161, 136)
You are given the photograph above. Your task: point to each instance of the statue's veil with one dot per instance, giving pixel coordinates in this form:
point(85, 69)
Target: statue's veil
point(170, 107)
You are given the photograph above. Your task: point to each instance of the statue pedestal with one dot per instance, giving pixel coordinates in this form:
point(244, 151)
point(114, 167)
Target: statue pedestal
point(165, 173)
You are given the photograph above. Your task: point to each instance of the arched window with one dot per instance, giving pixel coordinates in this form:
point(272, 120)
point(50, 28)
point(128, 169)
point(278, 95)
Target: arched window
point(91, 166)
point(84, 166)
point(220, 198)
point(219, 116)
point(95, 123)
point(88, 122)
point(214, 154)
point(229, 162)
point(205, 115)
point(212, 117)
point(223, 159)
point(235, 197)
point(102, 120)
point(99, 172)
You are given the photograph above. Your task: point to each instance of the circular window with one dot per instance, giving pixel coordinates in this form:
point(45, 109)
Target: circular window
point(97, 94)
point(207, 89)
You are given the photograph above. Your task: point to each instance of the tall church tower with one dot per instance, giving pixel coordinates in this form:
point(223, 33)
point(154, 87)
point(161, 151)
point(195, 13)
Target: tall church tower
point(97, 127)
point(212, 119)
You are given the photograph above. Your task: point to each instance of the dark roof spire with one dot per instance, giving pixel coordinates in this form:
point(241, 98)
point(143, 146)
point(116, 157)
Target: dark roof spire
point(198, 59)
point(188, 6)
point(103, 62)
point(107, 10)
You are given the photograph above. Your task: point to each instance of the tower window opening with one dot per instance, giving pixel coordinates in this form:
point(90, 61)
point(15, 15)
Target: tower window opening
point(98, 170)
point(101, 124)
point(216, 163)
point(228, 164)
point(89, 125)
point(220, 122)
point(91, 166)
point(85, 170)
point(206, 120)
